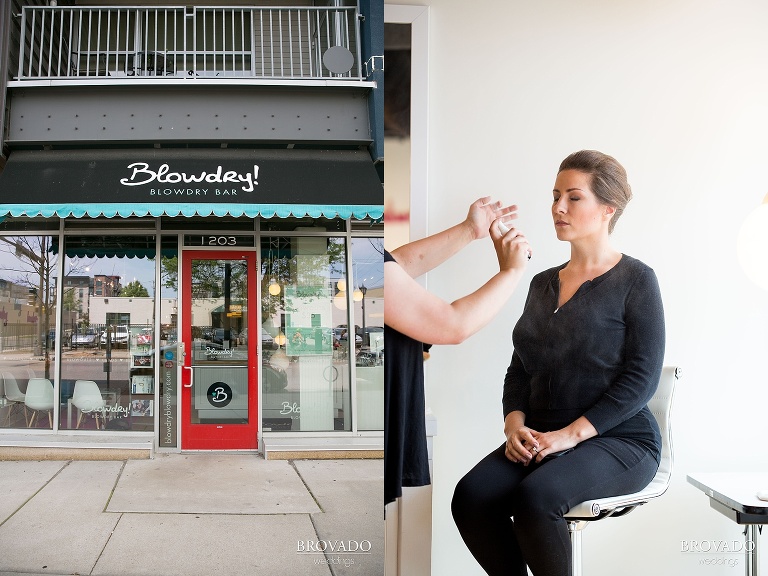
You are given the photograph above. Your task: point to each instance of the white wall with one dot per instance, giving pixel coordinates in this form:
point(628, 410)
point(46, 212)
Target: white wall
point(141, 308)
point(677, 90)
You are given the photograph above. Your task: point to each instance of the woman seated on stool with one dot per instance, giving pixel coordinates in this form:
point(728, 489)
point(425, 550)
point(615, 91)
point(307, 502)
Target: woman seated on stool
point(588, 353)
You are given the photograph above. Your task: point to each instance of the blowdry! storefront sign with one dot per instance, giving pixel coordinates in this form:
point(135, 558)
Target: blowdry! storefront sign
point(142, 174)
point(79, 182)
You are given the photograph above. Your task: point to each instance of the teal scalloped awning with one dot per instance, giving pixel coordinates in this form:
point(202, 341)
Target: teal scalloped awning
point(251, 210)
point(191, 182)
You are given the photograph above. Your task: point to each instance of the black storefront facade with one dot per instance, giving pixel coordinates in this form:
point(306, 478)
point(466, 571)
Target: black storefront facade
point(190, 261)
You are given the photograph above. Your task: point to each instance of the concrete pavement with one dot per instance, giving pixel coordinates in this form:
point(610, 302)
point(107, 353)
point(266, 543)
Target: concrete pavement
point(192, 514)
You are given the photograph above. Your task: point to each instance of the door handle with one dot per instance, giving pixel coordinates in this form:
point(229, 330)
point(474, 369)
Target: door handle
point(191, 376)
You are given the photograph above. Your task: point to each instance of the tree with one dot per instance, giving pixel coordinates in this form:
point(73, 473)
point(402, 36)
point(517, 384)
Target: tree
point(69, 303)
point(134, 289)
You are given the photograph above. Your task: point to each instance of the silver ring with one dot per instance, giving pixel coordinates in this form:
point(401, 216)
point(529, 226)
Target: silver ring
point(536, 450)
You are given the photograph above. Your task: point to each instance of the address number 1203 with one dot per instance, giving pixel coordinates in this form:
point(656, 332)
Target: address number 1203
point(222, 240)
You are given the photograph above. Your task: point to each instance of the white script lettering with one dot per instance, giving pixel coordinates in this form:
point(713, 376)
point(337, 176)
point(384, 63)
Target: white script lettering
point(216, 352)
point(142, 174)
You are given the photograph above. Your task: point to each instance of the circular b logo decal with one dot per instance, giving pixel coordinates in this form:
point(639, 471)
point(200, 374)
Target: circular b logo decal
point(219, 394)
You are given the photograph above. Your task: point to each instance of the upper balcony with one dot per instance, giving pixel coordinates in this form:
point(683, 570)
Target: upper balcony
point(240, 75)
point(245, 45)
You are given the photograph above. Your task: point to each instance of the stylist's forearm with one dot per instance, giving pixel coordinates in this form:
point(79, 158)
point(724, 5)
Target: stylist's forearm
point(421, 256)
point(475, 310)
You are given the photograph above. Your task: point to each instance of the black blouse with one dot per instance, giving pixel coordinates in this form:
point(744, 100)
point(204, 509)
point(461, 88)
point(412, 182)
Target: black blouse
point(600, 355)
point(405, 434)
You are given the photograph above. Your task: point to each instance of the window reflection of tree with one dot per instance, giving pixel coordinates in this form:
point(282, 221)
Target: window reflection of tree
point(36, 264)
point(208, 278)
point(169, 272)
point(279, 264)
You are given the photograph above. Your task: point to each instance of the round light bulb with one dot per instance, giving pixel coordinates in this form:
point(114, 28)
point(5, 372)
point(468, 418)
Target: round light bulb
point(357, 295)
point(274, 288)
point(341, 285)
point(280, 339)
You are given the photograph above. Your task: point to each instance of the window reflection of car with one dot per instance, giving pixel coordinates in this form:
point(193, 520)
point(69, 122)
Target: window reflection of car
point(118, 335)
point(274, 379)
point(343, 335)
point(222, 334)
point(374, 337)
point(87, 338)
point(218, 336)
point(267, 342)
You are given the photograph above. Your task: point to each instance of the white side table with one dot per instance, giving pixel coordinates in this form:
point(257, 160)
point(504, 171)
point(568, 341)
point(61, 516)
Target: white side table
point(734, 495)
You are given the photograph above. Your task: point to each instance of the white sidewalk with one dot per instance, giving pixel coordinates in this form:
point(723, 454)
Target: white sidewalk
point(192, 514)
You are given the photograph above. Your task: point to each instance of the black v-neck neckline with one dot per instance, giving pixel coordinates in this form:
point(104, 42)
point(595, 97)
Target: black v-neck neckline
point(584, 287)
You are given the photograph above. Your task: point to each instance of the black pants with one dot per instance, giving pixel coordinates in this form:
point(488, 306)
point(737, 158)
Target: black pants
point(510, 515)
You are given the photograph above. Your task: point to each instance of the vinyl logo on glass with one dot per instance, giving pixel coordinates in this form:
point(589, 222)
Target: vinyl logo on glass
point(219, 394)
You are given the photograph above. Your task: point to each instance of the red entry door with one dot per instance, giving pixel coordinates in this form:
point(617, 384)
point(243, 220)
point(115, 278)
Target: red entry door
point(219, 365)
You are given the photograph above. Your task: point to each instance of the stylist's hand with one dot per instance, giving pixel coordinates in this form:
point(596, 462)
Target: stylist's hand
point(512, 248)
point(483, 212)
point(521, 445)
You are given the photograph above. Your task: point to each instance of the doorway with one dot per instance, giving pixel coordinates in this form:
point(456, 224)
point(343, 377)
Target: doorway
point(219, 360)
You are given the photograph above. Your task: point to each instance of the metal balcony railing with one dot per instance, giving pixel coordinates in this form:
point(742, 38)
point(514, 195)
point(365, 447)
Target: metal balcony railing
point(276, 43)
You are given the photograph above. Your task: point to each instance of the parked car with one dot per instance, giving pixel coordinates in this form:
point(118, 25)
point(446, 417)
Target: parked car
point(118, 335)
point(87, 338)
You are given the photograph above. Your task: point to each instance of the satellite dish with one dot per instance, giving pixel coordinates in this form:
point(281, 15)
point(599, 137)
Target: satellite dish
point(338, 60)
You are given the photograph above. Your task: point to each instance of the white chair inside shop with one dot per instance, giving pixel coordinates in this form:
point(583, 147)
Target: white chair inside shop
point(13, 395)
point(39, 397)
point(88, 400)
point(580, 515)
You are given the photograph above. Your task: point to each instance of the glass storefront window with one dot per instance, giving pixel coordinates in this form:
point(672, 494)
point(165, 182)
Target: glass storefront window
point(108, 361)
point(368, 297)
point(27, 331)
point(321, 331)
point(305, 348)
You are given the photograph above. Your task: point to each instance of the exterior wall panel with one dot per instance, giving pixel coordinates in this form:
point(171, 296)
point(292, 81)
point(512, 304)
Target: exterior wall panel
point(177, 113)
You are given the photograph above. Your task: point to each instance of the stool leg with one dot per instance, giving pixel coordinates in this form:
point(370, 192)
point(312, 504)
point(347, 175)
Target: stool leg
point(574, 529)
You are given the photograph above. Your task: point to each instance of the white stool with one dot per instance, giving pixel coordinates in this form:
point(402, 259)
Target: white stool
point(580, 515)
